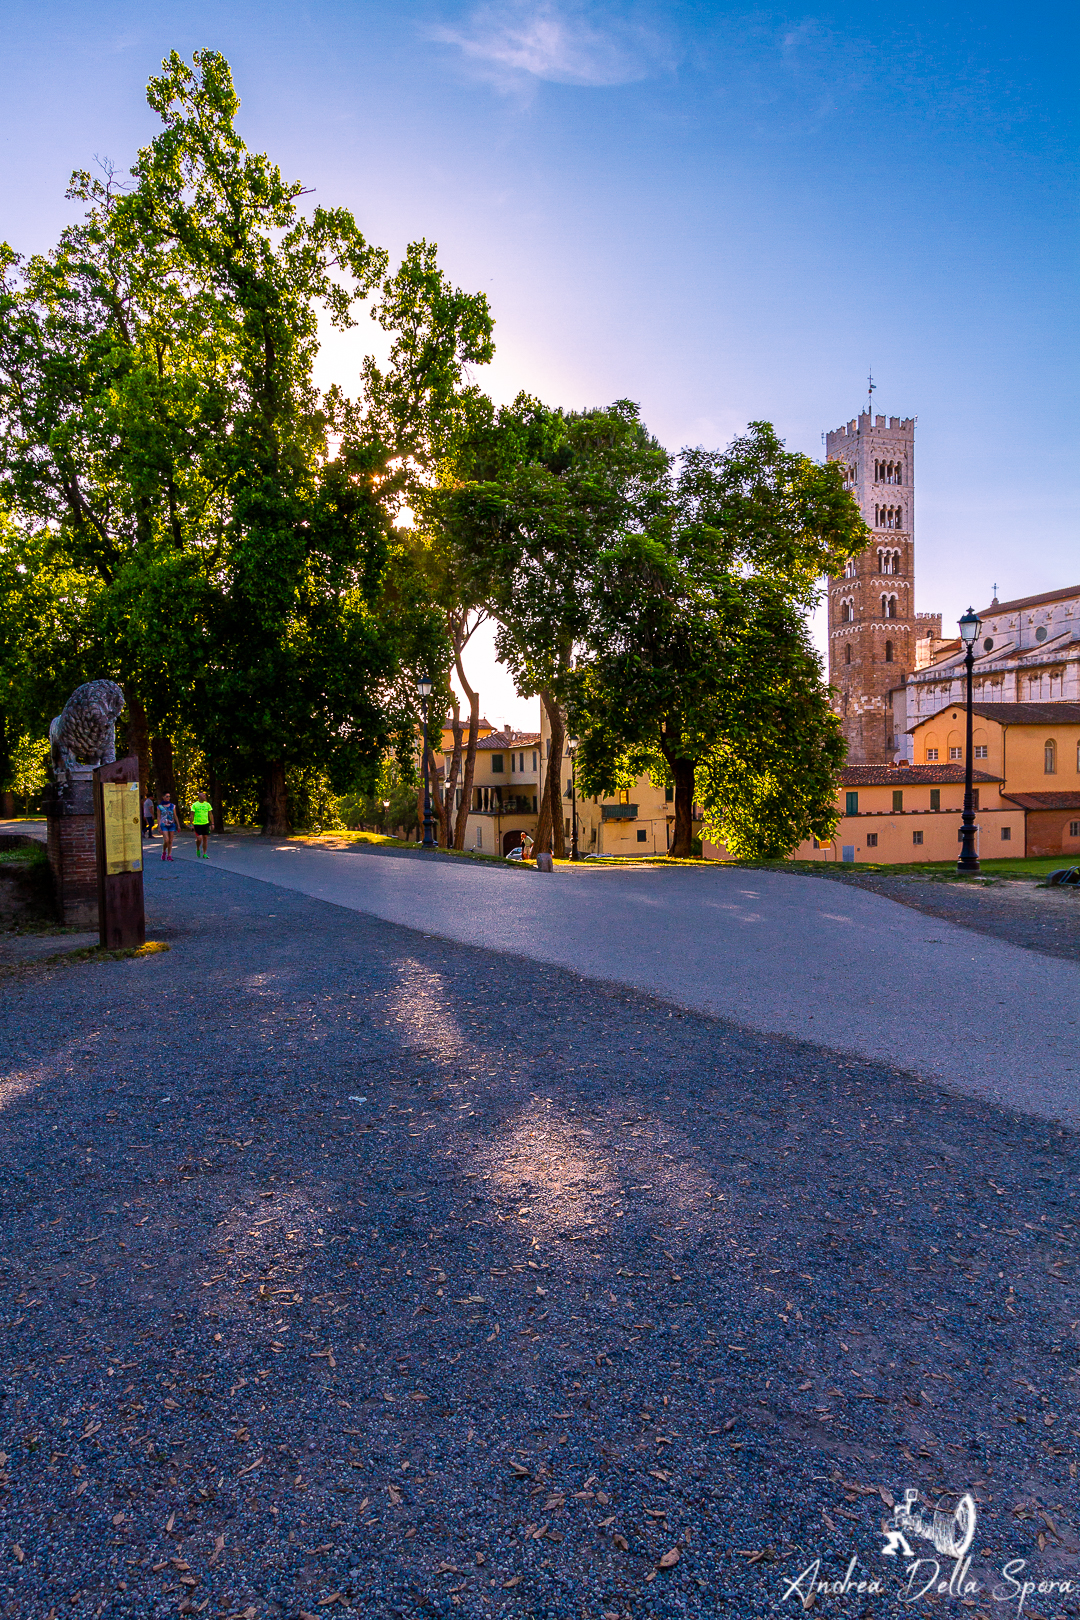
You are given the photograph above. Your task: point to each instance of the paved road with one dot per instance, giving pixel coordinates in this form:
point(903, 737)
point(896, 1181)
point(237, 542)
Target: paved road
point(777, 953)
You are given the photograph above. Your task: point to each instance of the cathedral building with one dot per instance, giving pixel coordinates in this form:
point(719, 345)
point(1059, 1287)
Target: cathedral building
point(891, 667)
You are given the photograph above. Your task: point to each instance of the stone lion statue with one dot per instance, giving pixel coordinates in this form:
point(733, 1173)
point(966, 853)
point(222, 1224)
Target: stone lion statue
point(85, 733)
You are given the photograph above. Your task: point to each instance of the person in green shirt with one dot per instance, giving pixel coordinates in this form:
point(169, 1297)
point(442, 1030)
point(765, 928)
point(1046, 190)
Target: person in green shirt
point(200, 816)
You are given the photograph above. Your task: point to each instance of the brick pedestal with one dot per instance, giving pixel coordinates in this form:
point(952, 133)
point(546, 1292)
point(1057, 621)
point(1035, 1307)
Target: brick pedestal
point(69, 807)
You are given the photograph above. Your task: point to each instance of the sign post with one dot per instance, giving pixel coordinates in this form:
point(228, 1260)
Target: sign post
point(118, 818)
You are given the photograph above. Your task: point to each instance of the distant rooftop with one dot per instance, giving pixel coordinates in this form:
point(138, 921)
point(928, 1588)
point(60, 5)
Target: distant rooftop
point(907, 775)
point(1029, 601)
point(510, 739)
point(1014, 714)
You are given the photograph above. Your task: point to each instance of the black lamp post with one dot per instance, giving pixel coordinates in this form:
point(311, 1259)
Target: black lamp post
point(423, 686)
point(969, 860)
point(571, 749)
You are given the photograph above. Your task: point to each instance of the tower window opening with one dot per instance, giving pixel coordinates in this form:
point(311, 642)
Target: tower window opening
point(888, 652)
point(847, 654)
point(1050, 758)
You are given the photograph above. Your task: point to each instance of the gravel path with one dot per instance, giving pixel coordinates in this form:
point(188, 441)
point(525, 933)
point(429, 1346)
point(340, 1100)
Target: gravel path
point(349, 1270)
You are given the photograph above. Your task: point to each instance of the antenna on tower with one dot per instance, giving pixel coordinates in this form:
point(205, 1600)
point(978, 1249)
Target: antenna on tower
point(871, 386)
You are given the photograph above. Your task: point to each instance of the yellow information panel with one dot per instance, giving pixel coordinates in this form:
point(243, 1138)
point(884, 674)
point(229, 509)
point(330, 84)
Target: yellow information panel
point(123, 827)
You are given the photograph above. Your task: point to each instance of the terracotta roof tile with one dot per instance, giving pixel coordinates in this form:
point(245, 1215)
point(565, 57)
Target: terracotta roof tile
point(1045, 801)
point(1015, 714)
point(908, 775)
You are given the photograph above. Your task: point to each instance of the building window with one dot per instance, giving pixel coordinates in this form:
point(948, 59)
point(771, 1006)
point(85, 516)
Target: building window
point(567, 824)
point(1050, 758)
point(624, 795)
point(897, 800)
point(852, 808)
point(847, 654)
point(935, 798)
point(479, 837)
point(1006, 834)
point(980, 750)
point(1040, 634)
point(916, 837)
point(974, 798)
point(534, 759)
point(1074, 829)
point(496, 764)
point(931, 755)
point(888, 652)
point(871, 840)
point(988, 644)
point(642, 836)
point(956, 753)
point(850, 570)
point(669, 795)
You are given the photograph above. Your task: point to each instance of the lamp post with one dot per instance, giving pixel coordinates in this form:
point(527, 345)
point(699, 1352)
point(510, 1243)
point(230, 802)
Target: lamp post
point(969, 860)
point(571, 749)
point(423, 686)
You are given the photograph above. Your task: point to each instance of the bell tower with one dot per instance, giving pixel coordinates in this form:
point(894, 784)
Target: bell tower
point(872, 605)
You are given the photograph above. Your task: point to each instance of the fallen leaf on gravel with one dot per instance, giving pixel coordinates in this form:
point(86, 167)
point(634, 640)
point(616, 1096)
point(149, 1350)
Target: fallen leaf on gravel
point(250, 1467)
point(658, 1473)
point(219, 1548)
point(808, 1385)
point(169, 1522)
point(448, 1569)
point(621, 1542)
point(603, 1498)
point(605, 1522)
point(755, 1555)
point(19, 1554)
point(516, 1468)
point(828, 1521)
point(305, 1615)
point(670, 1558)
point(886, 1496)
point(81, 1486)
point(324, 1355)
point(395, 1494)
point(91, 1428)
point(513, 1581)
point(118, 1518)
point(335, 1597)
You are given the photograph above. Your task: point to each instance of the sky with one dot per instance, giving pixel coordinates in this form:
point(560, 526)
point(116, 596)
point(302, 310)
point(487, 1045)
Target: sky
point(724, 213)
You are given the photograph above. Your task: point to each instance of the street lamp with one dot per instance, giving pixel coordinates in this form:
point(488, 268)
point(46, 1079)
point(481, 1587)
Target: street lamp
point(423, 686)
point(969, 860)
point(571, 749)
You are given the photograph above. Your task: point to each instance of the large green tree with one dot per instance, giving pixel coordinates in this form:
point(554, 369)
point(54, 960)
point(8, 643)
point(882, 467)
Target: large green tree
point(528, 501)
point(160, 425)
point(696, 662)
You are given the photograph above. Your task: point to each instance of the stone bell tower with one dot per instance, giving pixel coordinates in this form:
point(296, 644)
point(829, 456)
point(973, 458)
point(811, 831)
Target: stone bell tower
point(872, 605)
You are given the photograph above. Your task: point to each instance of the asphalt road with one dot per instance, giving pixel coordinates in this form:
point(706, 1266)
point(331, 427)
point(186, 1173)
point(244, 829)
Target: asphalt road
point(777, 953)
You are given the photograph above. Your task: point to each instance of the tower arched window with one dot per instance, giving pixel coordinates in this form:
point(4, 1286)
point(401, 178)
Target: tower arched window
point(888, 652)
point(888, 607)
point(847, 653)
point(850, 569)
point(1050, 757)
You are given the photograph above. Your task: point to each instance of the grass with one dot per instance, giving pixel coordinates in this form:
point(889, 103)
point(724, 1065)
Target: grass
point(88, 953)
point(1033, 869)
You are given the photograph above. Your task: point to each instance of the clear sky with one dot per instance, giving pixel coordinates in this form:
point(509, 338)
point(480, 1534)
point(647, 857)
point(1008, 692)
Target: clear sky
point(723, 213)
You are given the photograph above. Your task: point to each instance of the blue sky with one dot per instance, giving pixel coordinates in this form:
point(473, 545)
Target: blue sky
point(722, 213)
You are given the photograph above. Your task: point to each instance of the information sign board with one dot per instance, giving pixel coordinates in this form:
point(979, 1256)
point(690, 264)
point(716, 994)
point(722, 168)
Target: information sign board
point(122, 826)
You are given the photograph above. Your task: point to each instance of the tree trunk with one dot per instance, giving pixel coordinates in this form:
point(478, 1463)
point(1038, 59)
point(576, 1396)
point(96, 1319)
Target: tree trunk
point(470, 754)
point(683, 833)
point(138, 742)
point(556, 766)
point(216, 808)
point(7, 804)
point(164, 775)
point(275, 802)
point(453, 776)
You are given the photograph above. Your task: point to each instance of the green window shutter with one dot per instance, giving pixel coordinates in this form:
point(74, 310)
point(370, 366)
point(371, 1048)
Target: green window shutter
point(935, 798)
point(898, 799)
point(852, 804)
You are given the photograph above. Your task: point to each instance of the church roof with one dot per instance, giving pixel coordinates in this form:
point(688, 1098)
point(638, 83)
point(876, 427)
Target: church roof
point(1030, 601)
point(1013, 714)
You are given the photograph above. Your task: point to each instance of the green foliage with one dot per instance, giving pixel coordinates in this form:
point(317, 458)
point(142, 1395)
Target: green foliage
point(696, 650)
point(162, 436)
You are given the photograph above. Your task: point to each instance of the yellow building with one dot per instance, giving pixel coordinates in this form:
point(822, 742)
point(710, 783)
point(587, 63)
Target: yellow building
point(1032, 748)
point(899, 813)
point(1026, 774)
point(505, 787)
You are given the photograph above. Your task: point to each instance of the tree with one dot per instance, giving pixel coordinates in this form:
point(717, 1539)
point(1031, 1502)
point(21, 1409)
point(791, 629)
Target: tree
point(697, 664)
point(527, 501)
point(158, 415)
